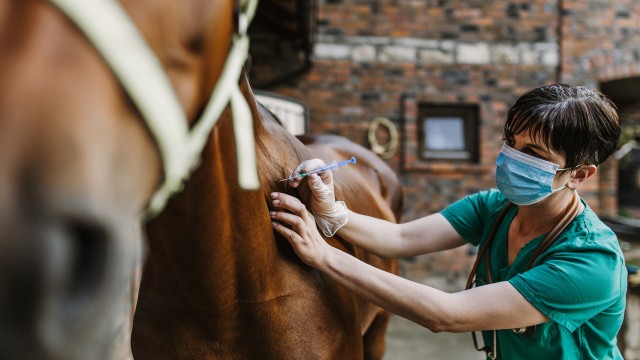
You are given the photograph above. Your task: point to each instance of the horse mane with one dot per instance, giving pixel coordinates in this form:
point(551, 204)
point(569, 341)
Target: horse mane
point(278, 163)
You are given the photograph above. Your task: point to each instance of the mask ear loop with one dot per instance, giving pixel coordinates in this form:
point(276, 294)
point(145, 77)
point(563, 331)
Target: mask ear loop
point(562, 171)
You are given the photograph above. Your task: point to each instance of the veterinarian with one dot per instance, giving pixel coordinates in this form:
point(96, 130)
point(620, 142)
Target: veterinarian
point(550, 279)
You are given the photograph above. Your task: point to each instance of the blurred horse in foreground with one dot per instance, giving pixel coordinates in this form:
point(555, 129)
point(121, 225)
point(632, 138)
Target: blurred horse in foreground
point(93, 139)
point(77, 167)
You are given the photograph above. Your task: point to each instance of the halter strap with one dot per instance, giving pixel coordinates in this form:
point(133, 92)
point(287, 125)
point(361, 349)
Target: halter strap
point(114, 35)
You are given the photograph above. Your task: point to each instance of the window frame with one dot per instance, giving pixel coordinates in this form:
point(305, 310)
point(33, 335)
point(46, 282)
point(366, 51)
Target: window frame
point(469, 113)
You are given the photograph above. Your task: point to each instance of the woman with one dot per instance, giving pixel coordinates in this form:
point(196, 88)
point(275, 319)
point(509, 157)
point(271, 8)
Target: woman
point(550, 276)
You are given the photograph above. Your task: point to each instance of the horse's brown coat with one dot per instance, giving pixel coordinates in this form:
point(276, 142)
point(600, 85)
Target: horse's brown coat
point(220, 284)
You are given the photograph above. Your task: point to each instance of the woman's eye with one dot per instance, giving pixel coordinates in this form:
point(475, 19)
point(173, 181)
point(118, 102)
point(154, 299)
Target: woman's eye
point(534, 154)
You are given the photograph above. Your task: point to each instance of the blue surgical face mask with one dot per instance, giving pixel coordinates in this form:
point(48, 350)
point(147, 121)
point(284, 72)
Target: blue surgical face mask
point(524, 179)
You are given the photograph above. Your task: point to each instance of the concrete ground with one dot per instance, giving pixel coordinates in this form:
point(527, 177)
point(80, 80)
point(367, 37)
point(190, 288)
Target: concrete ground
point(409, 341)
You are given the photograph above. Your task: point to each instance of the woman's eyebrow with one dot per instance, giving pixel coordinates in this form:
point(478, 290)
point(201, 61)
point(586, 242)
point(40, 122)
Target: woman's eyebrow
point(538, 148)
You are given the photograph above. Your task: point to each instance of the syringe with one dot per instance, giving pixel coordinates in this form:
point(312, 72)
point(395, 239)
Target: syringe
point(333, 166)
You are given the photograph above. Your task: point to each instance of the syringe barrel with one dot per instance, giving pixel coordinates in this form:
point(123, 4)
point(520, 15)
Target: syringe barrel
point(333, 166)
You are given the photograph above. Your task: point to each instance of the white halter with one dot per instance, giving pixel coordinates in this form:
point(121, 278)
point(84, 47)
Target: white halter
point(122, 46)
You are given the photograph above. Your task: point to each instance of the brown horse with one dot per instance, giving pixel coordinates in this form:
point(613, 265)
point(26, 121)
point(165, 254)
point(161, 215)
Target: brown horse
point(220, 284)
point(78, 167)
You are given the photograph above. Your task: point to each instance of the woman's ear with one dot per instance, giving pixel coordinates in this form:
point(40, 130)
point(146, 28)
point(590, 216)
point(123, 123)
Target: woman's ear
point(581, 174)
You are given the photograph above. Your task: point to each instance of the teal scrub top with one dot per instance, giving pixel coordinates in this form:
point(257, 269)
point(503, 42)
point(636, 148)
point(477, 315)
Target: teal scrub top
point(580, 282)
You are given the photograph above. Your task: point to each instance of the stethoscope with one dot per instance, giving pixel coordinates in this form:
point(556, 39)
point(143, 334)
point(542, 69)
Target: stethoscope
point(571, 212)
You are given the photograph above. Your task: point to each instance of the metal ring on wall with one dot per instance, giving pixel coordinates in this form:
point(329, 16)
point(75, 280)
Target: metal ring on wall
point(388, 149)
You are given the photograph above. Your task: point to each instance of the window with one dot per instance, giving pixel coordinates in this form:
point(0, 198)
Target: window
point(448, 132)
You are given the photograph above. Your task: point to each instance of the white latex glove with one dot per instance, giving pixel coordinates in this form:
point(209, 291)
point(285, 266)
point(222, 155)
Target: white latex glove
point(330, 214)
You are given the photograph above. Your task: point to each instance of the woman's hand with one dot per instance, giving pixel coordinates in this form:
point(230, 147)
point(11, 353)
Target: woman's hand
point(322, 199)
point(303, 235)
point(330, 214)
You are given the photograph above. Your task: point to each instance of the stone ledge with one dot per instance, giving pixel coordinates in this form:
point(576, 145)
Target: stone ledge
point(431, 51)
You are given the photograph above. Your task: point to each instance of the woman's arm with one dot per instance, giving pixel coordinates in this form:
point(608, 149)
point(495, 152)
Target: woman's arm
point(489, 307)
point(429, 234)
point(495, 306)
point(425, 235)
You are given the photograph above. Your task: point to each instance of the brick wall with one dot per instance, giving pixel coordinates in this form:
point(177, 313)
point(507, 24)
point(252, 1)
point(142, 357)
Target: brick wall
point(375, 58)
point(600, 42)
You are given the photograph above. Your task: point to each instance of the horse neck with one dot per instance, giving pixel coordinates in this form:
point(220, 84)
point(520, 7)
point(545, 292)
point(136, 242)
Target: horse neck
point(214, 240)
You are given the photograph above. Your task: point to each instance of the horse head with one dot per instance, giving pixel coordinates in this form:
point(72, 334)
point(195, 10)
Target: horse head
point(79, 165)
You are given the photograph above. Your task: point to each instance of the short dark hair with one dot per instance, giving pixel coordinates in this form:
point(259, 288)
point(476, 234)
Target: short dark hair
point(577, 121)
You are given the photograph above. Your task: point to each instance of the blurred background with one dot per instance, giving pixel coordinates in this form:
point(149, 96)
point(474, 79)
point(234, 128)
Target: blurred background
point(426, 84)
